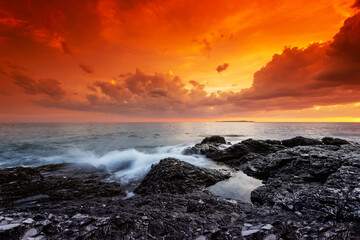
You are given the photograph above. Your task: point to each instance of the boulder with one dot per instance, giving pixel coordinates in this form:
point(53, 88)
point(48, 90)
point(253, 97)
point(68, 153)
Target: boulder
point(235, 154)
point(201, 149)
point(207, 145)
point(334, 141)
point(214, 139)
point(319, 183)
point(174, 176)
point(300, 141)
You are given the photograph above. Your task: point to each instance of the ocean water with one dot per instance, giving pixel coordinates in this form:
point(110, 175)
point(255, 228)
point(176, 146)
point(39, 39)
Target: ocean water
point(129, 149)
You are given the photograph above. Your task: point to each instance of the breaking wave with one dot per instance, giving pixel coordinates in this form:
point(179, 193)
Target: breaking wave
point(129, 165)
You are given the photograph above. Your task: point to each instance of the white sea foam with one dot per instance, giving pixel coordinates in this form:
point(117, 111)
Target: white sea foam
point(129, 165)
point(132, 165)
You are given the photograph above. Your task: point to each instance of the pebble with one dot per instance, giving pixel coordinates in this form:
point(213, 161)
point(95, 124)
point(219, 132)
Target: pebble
point(248, 232)
point(267, 227)
point(9, 226)
point(29, 233)
point(271, 237)
point(200, 238)
point(28, 221)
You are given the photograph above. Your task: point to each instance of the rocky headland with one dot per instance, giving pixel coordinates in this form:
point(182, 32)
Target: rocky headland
point(311, 190)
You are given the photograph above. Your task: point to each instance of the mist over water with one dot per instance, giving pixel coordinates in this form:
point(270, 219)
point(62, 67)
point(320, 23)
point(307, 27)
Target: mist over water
point(129, 149)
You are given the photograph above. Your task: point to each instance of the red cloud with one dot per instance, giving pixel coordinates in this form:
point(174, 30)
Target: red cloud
point(222, 67)
point(356, 4)
point(27, 24)
point(318, 75)
point(48, 87)
point(86, 68)
point(142, 94)
point(66, 48)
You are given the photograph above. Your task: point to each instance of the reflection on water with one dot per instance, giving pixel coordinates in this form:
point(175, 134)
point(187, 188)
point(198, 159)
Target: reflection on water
point(239, 187)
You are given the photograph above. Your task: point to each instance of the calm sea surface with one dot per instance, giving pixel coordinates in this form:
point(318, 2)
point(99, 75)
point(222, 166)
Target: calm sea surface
point(133, 147)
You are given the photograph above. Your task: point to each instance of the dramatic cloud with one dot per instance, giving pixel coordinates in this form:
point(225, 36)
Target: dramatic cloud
point(356, 4)
point(27, 23)
point(48, 87)
point(87, 68)
point(320, 74)
point(141, 94)
point(42, 41)
point(222, 67)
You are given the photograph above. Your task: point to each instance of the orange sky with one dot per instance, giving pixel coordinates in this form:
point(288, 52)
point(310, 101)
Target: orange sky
point(180, 60)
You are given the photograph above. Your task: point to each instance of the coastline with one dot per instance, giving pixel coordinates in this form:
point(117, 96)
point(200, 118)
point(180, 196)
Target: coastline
point(310, 190)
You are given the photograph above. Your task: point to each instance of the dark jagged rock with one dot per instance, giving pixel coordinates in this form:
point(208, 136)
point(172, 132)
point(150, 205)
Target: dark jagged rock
point(196, 215)
point(235, 154)
point(174, 176)
point(214, 139)
point(310, 161)
point(274, 142)
point(19, 174)
point(309, 192)
point(300, 141)
point(240, 153)
point(201, 149)
point(53, 183)
point(334, 141)
point(207, 145)
point(317, 182)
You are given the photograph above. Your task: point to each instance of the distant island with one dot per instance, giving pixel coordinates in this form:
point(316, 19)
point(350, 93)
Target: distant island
point(236, 121)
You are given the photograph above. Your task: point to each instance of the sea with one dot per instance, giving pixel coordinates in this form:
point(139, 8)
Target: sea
point(129, 149)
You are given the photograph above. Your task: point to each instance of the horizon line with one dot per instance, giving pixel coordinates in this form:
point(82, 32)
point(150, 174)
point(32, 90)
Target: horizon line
point(217, 121)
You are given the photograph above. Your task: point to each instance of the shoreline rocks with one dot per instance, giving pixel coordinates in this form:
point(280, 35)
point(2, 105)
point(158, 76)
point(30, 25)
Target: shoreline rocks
point(54, 182)
point(171, 175)
point(311, 190)
point(234, 155)
point(244, 151)
point(207, 145)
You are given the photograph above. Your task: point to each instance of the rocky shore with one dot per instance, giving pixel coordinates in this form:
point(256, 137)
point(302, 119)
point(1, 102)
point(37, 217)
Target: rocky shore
point(311, 190)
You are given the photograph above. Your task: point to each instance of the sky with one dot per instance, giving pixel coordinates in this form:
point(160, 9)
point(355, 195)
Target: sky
point(179, 60)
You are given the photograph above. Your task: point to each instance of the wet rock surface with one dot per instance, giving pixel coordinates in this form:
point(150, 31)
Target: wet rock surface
point(214, 139)
point(174, 176)
point(207, 145)
point(310, 191)
point(54, 183)
point(300, 141)
point(236, 154)
point(334, 141)
point(320, 182)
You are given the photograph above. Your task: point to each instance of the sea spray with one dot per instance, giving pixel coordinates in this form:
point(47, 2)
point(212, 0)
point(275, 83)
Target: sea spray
point(129, 165)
